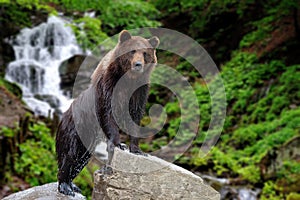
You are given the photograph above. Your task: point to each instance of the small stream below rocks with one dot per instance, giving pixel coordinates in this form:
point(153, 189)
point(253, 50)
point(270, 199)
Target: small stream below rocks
point(229, 192)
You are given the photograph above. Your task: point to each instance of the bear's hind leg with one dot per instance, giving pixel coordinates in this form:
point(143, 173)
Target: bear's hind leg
point(68, 172)
point(78, 168)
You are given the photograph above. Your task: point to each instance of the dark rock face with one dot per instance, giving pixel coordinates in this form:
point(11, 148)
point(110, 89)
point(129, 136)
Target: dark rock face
point(6, 55)
point(50, 99)
point(79, 68)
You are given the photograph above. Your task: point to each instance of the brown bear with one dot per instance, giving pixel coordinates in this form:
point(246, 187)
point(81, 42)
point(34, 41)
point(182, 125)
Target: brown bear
point(92, 116)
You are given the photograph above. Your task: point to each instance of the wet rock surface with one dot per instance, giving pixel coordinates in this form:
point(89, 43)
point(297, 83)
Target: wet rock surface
point(44, 192)
point(140, 177)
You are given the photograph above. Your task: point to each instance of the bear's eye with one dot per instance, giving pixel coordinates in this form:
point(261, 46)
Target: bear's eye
point(145, 54)
point(132, 51)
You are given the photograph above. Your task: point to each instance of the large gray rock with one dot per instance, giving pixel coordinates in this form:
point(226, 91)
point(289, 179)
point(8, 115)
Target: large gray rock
point(44, 192)
point(139, 177)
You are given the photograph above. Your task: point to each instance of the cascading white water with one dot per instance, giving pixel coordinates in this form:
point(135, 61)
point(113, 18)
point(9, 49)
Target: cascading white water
point(39, 52)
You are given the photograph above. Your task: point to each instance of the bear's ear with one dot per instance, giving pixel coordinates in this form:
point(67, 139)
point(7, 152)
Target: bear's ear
point(154, 41)
point(124, 35)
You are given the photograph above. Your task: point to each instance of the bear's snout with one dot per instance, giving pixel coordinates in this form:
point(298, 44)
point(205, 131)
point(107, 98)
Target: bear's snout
point(138, 66)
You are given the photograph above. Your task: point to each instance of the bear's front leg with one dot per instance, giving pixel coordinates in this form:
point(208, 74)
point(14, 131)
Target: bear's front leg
point(112, 133)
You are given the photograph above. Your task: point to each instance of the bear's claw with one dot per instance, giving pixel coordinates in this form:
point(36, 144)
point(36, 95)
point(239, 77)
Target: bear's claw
point(122, 146)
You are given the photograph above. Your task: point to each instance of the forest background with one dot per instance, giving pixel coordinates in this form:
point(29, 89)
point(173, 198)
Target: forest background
point(255, 45)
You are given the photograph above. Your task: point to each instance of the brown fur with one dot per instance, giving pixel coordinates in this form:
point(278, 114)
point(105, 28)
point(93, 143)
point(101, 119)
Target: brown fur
point(91, 117)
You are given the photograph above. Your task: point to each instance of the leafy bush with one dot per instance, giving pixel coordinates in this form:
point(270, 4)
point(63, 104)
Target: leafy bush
point(12, 87)
point(258, 106)
point(35, 159)
point(88, 32)
point(269, 191)
point(19, 11)
point(112, 13)
point(138, 14)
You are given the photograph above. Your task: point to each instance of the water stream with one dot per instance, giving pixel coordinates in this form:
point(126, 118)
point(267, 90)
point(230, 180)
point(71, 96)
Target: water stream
point(230, 192)
point(39, 51)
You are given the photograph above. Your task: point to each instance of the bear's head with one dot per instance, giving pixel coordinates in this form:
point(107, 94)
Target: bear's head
point(136, 55)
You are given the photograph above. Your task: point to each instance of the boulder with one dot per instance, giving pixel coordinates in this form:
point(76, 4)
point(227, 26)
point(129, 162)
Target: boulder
point(44, 192)
point(79, 68)
point(141, 177)
point(52, 100)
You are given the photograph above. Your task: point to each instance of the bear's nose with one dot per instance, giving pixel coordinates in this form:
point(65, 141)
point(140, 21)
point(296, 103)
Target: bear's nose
point(138, 66)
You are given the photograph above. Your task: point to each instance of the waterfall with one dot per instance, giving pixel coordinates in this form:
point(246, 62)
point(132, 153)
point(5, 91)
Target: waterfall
point(39, 52)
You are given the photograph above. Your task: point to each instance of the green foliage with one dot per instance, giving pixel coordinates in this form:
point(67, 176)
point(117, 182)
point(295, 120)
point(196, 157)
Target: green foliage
point(85, 180)
point(269, 191)
point(262, 28)
point(12, 87)
point(187, 70)
point(255, 93)
point(262, 97)
point(112, 13)
point(202, 13)
point(77, 5)
point(19, 11)
point(36, 159)
point(28, 3)
point(293, 196)
point(109, 19)
point(223, 162)
point(7, 132)
point(250, 173)
point(138, 14)
point(37, 162)
point(289, 167)
point(88, 32)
